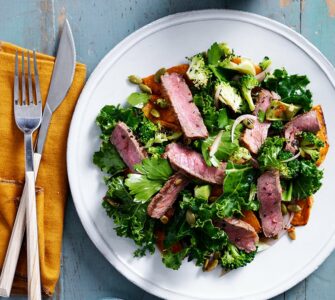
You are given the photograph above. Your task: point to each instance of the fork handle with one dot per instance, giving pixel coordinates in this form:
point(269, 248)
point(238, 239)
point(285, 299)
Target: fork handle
point(15, 242)
point(34, 279)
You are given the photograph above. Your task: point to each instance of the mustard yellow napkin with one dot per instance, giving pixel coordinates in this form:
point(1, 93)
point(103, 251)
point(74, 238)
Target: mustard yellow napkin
point(52, 185)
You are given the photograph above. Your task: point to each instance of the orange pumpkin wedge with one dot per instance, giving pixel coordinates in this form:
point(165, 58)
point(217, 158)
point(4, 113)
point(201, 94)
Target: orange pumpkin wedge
point(301, 218)
point(322, 134)
point(250, 218)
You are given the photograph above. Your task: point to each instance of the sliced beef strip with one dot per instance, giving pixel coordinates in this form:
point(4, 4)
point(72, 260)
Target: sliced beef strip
point(254, 138)
point(269, 193)
point(180, 96)
point(164, 200)
point(306, 122)
point(192, 164)
point(126, 144)
point(240, 233)
point(263, 101)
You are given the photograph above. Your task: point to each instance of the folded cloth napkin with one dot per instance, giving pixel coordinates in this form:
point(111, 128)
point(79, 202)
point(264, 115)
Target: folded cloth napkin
point(51, 186)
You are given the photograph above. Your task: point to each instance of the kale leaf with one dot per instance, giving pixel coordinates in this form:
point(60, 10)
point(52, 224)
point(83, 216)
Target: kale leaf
point(111, 114)
point(214, 118)
point(272, 156)
point(291, 88)
point(108, 159)
point(130, 218)
point(308, 181)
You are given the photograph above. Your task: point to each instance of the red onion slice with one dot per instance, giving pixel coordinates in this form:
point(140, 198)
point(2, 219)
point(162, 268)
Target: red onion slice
point(238, 121)
point(291, 158)
point(216, 144)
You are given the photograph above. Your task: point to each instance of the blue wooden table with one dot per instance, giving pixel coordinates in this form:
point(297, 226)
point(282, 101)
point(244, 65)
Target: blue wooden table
point(97, 27)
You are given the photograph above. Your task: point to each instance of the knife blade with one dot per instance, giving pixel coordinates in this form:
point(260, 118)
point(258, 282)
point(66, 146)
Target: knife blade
point(61, 80)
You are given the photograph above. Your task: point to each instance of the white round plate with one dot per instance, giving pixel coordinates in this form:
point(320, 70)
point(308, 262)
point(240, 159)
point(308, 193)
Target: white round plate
point(167, 42)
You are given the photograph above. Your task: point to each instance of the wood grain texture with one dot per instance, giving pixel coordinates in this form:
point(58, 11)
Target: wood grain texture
point(97, 27)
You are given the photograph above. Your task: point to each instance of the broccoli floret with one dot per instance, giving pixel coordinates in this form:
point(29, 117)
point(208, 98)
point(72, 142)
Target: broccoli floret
point(265, 63)
point(291, 168)
point(248, 82)
point(245, 66)
point(228, 95)
point(240, 156)
point(310, 146)
point(277, 125)
point(146, 131)
point(198, 72)
point(234, 258)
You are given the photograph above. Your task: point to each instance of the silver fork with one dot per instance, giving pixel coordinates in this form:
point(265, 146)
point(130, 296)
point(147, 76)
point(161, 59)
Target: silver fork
point(28, 116)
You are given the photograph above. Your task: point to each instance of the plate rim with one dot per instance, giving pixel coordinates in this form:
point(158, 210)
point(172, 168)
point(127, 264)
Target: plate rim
point(102, 68)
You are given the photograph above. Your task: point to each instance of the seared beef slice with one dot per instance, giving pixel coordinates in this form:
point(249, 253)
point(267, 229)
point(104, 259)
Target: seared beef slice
point(269, 193)
point(161, 203)
point(186, 111)
point(126, 144)
point(240, 233)
point(192, 163)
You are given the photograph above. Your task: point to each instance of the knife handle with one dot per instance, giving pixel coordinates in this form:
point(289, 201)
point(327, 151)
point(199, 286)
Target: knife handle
point(15, 242)
point(33, 257)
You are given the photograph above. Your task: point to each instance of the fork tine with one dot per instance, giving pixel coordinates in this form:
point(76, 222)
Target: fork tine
point(37, 82)
point(16, 80)
point(30, 84)
point(23, 81)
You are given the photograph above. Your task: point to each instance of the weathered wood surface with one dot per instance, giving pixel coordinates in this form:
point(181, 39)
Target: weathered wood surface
point(97, 27)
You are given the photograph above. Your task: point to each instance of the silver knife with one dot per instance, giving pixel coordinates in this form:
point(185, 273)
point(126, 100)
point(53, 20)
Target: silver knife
point(62, 77)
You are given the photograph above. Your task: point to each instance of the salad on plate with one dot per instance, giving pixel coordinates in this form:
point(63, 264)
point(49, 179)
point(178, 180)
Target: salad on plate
point(212, 161)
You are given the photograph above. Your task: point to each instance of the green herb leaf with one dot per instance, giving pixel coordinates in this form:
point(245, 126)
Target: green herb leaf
point(141, 187)
point(155, 168)
point(238, 179)
point(214, 54)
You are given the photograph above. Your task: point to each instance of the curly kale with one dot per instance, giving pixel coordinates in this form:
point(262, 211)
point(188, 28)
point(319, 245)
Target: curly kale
point(214, 118)
point(291, 88)
point(272, 156)
point(110, 114)
point(277, 125)
point(130, 218)
point(308, 181)
point(108, 159)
